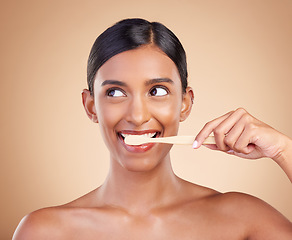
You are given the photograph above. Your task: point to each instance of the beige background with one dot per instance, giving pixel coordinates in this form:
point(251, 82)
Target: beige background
point(239, 54)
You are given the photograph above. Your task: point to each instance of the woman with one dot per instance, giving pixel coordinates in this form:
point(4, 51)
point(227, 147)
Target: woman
point(137, 80)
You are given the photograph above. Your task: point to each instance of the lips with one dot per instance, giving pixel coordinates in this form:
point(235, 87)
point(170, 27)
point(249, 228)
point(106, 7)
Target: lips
point(138, 148)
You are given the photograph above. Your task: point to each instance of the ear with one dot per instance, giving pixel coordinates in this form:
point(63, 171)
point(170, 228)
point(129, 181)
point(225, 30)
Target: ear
point(187, 103)
point(89, 106)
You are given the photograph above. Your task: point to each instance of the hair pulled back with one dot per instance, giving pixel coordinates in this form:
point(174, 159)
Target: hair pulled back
point(129, 34)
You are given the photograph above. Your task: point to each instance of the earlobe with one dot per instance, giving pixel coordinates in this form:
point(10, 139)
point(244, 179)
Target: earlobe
point(89, 106)
point(187, 103)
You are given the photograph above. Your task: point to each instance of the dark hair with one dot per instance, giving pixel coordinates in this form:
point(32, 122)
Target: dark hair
point(130, 34)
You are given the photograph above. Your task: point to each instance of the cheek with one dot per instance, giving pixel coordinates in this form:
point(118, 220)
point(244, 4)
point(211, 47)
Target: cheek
point(109, 115)
point(168, 114)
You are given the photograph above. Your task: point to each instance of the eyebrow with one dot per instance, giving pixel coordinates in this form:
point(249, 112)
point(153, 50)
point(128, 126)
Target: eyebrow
point(113, 82)
point(158, 80)
point(147, 83)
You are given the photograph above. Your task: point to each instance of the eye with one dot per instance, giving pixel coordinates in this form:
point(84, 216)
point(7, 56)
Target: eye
point(115, 93)
point(158, 91)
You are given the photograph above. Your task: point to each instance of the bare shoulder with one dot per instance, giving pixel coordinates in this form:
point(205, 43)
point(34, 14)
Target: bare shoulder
point(262, 221)
point(39, 225)
point(238, 214)
point(62, 222)
point(244, 203)
point(57, 222)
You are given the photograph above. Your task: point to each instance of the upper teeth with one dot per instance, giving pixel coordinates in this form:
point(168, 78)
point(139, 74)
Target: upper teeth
point(148, 135)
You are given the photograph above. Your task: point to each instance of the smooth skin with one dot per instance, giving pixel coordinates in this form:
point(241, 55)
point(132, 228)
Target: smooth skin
point(139, 91)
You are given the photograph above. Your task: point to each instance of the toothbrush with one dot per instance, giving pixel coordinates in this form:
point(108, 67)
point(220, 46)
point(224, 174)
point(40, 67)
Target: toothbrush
point(138, 140)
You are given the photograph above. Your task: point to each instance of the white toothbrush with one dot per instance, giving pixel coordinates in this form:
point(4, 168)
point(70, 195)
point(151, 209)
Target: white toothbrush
point(140, 139)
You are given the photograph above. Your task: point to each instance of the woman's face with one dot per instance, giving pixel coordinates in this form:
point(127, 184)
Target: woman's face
point(139, 92)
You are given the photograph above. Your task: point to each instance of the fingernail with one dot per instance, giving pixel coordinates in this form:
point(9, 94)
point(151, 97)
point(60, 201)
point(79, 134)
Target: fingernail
point(195, 144)
point(230, 151)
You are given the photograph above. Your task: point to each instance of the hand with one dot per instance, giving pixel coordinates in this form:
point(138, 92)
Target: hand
point(241, 134)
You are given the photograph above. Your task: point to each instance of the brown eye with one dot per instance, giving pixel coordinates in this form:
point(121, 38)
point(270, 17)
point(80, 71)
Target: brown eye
point(115, 93)
point(158, 91)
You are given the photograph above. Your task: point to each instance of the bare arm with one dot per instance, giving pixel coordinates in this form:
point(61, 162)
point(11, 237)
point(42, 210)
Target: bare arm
point(284, 158)
point(241, 134)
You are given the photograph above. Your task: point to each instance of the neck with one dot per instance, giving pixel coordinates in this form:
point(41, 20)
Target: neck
point(140, 191)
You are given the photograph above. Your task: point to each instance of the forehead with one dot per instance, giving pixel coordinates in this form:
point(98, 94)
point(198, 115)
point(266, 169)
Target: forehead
point(143, 63)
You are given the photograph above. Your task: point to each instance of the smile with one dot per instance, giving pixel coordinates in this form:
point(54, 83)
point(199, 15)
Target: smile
point(138, 148)
point(148, 135)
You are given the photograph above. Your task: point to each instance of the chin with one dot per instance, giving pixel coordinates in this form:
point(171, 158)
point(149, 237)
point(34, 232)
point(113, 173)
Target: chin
point(143, 164)
point(140, 167)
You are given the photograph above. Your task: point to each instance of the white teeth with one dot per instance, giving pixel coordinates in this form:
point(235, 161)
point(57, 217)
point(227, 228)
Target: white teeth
point(125, 135)
point(148, 135)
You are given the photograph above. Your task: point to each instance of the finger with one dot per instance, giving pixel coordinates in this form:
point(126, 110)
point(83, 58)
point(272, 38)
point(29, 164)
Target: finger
point(244, 143)
point(225, 128)
point(234, 134)
point(211, 146)
point(208, 129)
point(248, 135)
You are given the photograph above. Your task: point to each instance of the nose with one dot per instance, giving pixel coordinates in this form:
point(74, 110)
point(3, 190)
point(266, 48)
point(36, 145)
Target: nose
point(138, 111)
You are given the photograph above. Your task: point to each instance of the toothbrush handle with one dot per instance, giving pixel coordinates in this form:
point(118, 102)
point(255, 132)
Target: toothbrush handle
point(182, 140)
point(175, 140)
point(137, 140)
